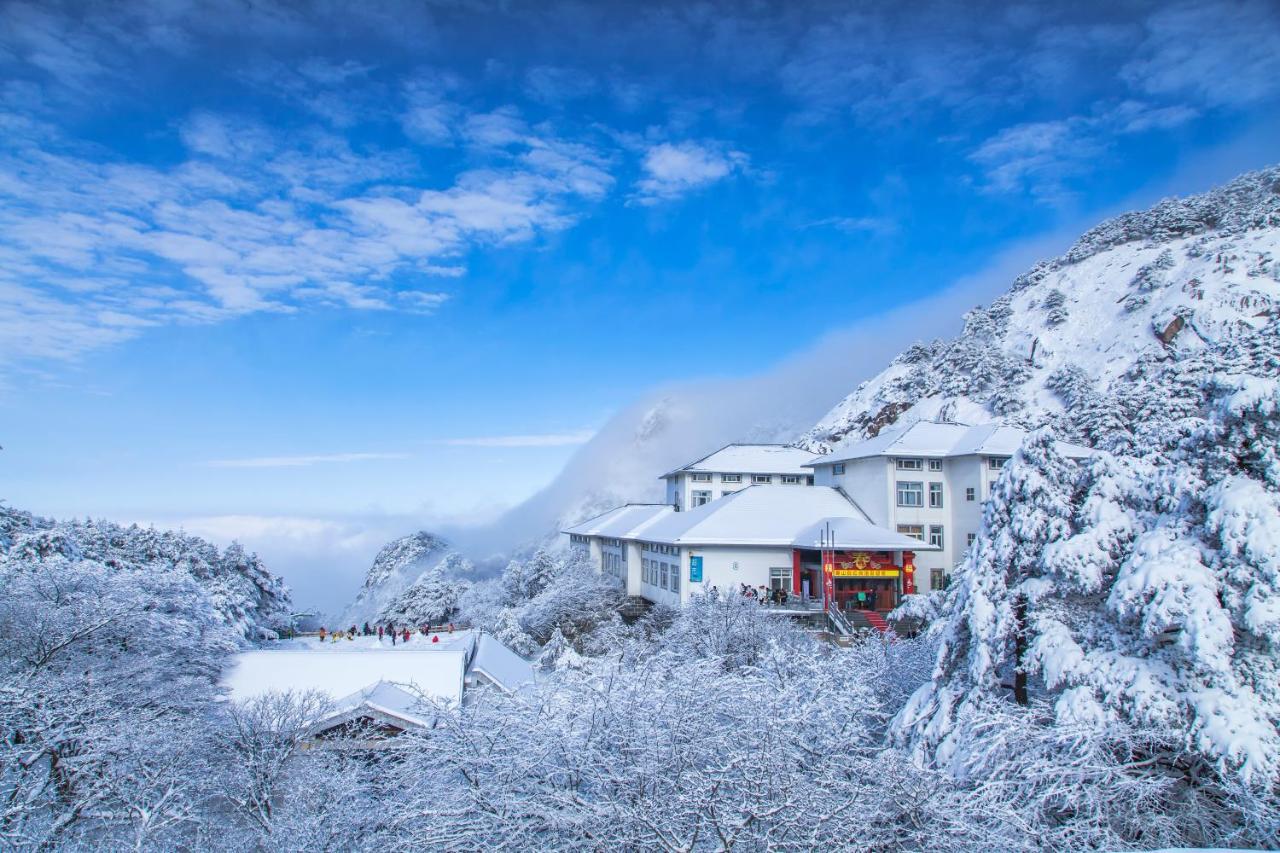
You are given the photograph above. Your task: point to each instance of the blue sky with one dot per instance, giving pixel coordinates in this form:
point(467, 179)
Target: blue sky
point(263, 261)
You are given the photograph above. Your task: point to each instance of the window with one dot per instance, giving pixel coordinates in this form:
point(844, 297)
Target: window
point(910, 494)
point(701, 478)
point(935, 535)
point(995, 463)
point(790, 479)
point(937, 579)
point(662, 576)
point(731, 478)
point(698, 498)
point(935, 464)
point(968, 540)
point(728, 492)
point(969, 494)
point(915, 531)
point(910, 464)
point(780, 579)
point(837, 468)
point(761, 479)
point(675, 578)
point(808, 481)
point(935, 495)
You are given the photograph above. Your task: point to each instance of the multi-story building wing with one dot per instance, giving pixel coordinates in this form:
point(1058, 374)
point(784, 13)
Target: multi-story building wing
point(927, 480)
point(734, 467)
point(775, 537)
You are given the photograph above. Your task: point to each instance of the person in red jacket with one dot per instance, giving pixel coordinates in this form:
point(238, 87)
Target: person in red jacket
point(406, 635)
point(435, 638)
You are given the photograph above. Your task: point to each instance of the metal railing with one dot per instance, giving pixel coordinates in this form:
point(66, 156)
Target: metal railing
point(839, 622)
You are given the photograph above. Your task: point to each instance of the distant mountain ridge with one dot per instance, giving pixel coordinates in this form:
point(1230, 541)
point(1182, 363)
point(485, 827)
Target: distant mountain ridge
point(1139, 300)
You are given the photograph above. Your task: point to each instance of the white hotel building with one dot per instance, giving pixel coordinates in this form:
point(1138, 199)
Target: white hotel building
point(857, 528)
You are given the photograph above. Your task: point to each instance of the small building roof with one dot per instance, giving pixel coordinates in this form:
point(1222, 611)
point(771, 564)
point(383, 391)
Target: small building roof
point(384, 701)
point(853, 534)
point(624, 522)
point(499, 665)
point(771, 516)
point(751, 459)
point(936, 439)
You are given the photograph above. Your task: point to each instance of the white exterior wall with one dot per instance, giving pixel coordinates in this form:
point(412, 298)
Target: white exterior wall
point(924, 516)
point(680, 487)
point(728, 568)
point(633, 567)
point(970, 473)
point(873, 484)
point(865, 482)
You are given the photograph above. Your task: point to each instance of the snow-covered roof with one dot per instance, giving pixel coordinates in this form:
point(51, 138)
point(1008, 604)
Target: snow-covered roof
point(751, 459)
point(769, 515)
point(500, 665)
point(625, 522)
point(435, 672)
point(389, 702)
point(848, 534)
point(936, 439)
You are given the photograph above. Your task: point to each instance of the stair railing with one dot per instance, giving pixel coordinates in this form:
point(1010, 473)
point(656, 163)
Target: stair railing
point(839, 622)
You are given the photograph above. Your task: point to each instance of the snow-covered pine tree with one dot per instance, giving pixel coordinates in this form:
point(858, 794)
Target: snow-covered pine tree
point(985, 644)
point(1160, 608)
point(433, 597)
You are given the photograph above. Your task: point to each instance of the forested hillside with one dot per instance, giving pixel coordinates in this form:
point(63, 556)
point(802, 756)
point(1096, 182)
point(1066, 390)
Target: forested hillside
point(1121, 329)
point(234, 584)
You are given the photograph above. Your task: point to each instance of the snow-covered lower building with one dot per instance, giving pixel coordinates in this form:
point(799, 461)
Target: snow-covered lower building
point(376, 688)
point(927, 480)
point(812, 542)
point(734, 467)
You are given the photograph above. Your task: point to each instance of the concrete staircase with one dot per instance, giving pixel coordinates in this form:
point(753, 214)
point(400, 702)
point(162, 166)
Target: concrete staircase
point(634, 607)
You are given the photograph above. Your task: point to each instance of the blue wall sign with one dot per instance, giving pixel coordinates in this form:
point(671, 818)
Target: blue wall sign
point(695, 570)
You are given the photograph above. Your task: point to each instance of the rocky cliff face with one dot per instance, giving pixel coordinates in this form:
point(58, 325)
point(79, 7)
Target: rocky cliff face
point(394, 569)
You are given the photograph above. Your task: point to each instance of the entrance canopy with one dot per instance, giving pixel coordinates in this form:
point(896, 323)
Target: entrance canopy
point(843, 533)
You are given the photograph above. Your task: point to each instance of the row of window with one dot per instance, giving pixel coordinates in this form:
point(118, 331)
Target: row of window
point(918, 464)
point(916, 531)
point(658, 548)
point(756, 479)
point(614, 564)
point(995, 463)
point(912, 494)
point(661, 574)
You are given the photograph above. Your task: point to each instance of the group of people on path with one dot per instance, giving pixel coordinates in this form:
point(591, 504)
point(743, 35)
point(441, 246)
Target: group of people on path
point(404, 633)
point(777, 595)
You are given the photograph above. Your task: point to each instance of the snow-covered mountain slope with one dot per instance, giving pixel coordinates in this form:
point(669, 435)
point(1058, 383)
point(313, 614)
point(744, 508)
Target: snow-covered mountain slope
point(395, 568)
point(1132, 305)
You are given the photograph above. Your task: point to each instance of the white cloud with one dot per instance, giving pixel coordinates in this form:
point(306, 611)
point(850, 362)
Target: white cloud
point(876, 225)
point(673, 169)
point(303, 461)
point(259, 222)
point(564, 439)
point(1224, 53)
point(1041, 157)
